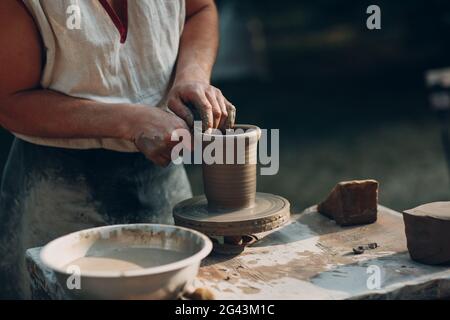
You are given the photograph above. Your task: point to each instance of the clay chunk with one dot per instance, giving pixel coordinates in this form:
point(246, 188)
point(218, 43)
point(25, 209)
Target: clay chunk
point(352, 203)
point(427, 229)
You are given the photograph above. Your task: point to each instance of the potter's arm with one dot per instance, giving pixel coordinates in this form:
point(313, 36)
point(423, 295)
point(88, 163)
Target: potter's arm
point(199, 42)
point(27, 109)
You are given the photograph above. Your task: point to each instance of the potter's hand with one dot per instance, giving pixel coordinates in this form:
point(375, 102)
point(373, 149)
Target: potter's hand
point(152, 133)
point(214, 109)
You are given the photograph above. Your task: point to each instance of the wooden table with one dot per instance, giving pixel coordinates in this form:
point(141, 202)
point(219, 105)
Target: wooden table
point(310, 258)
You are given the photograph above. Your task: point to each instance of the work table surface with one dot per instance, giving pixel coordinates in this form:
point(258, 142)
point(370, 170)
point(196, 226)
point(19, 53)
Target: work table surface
point(310, 258)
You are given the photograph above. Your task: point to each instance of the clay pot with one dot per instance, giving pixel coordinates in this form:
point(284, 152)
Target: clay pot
point(231, 184)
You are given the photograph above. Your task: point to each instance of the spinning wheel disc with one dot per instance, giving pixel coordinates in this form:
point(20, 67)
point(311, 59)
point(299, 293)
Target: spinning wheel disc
point(269, 212)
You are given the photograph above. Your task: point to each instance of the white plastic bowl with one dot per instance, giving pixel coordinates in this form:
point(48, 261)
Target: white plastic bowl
point(159, 281)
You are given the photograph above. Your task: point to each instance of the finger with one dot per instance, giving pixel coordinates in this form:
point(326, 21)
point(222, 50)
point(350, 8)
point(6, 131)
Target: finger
point(180, 135)
point(223, 108)
point(150, 148)
point(231, 119)
point(177, 122)
point(167, 154)
point(163, 156)
point(161, 160)
point(157, 149)
point(146, 146)
point(204, 107)
point(181, 110)
point(216, 110)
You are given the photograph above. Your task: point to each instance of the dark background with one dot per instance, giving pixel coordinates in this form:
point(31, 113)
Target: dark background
point(350, 103)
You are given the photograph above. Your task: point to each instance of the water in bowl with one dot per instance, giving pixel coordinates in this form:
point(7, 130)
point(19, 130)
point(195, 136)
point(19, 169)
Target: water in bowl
point(127, 259)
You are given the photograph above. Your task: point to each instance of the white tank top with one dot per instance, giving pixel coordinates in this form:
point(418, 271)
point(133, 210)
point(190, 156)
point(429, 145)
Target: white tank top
point(105, 60)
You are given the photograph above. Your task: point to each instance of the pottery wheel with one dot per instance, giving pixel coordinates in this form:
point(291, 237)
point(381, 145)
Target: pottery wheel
point(268, 213)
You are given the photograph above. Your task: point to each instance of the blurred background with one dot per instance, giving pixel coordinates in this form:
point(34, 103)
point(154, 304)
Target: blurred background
point(350, 103)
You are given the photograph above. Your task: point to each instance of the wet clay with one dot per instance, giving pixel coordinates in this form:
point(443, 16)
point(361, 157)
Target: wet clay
point(127, 259)
point(231, 208)
point(231, 184)
point(352, 203)
point(427, 229)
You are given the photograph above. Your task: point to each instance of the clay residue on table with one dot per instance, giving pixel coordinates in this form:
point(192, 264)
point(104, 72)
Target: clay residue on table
point(309, 246)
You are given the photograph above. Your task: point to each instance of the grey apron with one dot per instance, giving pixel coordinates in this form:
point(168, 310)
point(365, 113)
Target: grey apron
point(47, 192)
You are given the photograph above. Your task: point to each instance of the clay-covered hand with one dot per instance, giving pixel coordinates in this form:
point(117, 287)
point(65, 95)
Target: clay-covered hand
point(152, 134)
point(214, 109)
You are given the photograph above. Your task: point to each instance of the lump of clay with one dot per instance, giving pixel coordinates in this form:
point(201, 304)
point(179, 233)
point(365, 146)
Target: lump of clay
point(352, 202)
point(200, 294)
point(428, 233)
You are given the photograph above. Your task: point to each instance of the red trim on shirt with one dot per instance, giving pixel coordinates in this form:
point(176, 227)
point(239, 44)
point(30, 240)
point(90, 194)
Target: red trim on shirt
point(122, 26)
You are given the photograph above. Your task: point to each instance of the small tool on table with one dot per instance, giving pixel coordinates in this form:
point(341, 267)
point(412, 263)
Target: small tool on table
point(362, 248)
